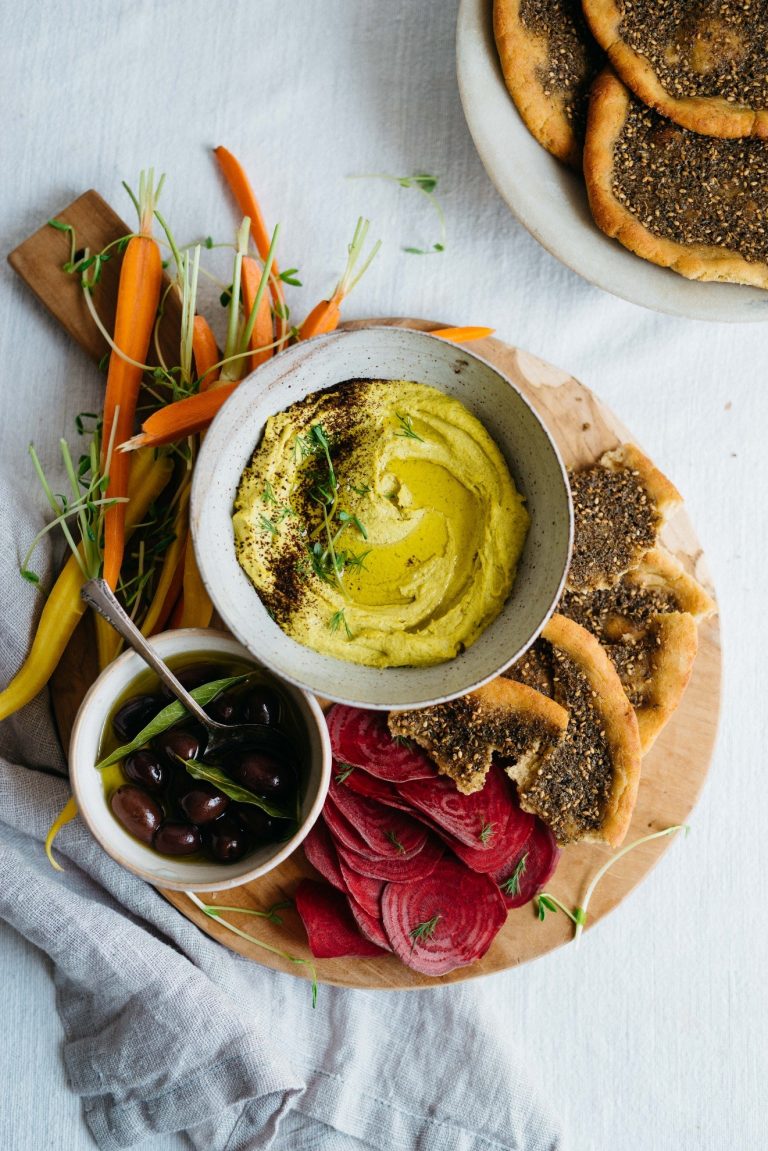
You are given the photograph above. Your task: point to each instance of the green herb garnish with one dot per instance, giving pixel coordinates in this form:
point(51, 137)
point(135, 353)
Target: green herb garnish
point(511, 886)
point(395, 842)
point(344, 772)
point(426, 184)
point(424, 930)
point(406, 428)
point(337, 620)
point(548, 902)
point(486, 832)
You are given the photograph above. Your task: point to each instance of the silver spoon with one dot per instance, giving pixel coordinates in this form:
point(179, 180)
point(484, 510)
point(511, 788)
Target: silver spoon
point(221, 736)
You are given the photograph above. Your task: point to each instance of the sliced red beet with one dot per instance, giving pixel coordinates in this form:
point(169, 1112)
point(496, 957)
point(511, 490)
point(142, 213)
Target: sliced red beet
point(329, 923)
point(445, 921)
point(395, 869)
point(499, 845)
point(464, 817)
point(321, 853)
point(519, 883)
point(361, 738)
point(342, 831)
point(386, 831)
point(359, 781)
point(363, 890)
point(369, 925)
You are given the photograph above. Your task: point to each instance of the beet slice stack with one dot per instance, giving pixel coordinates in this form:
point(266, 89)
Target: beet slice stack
point(412, 865)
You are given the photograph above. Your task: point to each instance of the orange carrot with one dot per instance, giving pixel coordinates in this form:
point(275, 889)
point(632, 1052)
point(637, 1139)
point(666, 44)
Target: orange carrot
point(184, 418)
point(205, 351)
point(262, 335)
point(138, 296)
point(240, 187)
point(462, 335)
point(324, 317)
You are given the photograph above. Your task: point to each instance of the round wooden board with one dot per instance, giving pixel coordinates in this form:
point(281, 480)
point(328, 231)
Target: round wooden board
point(673, 772)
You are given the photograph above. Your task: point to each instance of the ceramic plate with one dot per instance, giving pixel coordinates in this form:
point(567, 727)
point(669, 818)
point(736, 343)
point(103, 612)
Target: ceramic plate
point(551, 202)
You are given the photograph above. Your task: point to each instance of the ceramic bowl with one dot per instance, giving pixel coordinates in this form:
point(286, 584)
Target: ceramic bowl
point(178, 874)
point(550, 200)
point(394, 354)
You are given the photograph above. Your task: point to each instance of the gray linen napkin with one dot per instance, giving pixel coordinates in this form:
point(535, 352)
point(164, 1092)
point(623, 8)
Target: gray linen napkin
point(165, 1030)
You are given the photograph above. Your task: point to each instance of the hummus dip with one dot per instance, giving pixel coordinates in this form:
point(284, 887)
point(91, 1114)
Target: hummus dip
point(379, 523)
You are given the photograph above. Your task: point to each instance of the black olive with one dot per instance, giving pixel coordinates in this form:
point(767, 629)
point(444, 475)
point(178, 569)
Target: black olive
point(137, 811)
point(263, 774)
point(226, 840)
point(223, 709)
point(146, 768)
point(260, 705)
point(201, 802)
point(176, 838)
point(179, 743)
point(134, 715)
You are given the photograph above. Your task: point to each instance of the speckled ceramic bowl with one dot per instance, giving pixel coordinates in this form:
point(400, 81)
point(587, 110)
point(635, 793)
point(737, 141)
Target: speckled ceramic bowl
point(311, 735)
point(385, 354)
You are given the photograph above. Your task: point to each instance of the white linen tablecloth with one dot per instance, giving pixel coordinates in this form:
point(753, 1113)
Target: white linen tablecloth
point(652, 1036)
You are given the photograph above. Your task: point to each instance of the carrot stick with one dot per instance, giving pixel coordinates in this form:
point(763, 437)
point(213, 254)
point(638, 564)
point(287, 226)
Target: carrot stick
point(205, 351)
point(184, 418)
point(462, 335)
point(176, 616)
point(197, 608)
point(138, 296)
point(240, 187)
point(324, 317)
point(261, 336)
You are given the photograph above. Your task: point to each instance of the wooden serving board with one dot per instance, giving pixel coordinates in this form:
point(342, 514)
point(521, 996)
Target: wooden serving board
point(673, 772)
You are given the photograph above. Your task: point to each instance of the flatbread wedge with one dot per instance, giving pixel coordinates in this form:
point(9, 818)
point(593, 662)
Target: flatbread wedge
point(504, 718)
point(687, 202)
point(620, 504)
point(703, 65)
point(548, 59)
point(587, 787)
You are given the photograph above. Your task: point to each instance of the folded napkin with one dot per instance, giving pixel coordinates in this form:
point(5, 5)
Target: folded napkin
point(165, 1030)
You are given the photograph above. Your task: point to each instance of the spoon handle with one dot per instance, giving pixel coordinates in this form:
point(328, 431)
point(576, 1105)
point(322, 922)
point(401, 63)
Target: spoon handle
point(100, 596)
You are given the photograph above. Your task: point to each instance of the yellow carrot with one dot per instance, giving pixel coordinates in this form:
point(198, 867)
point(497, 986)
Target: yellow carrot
point(63, 607)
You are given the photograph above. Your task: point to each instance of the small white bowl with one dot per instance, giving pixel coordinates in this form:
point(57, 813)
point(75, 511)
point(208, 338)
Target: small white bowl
point(178, 874)
point(384, 353)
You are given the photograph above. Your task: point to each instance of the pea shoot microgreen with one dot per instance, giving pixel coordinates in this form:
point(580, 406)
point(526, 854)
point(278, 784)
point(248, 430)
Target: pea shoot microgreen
point(426, 184)
point(546, 901)
point(214, 912)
